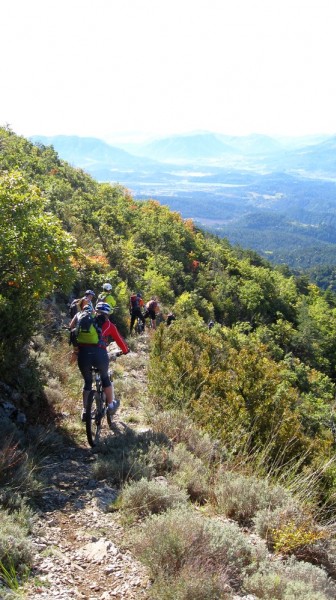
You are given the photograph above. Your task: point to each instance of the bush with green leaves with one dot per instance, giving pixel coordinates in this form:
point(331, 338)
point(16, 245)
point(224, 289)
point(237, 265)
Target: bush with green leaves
point(27, 274)
point(229, 383)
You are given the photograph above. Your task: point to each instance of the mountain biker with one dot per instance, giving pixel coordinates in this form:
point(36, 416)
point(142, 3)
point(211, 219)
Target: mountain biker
point(79, 304)
point(135, 307)
point(106, 296)
point(87, 300)
point(95, 354)
point(152, 308)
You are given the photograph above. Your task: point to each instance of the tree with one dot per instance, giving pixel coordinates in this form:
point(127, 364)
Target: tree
point(35, 257)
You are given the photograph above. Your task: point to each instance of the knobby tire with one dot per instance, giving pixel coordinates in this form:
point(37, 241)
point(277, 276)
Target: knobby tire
point(94, 417)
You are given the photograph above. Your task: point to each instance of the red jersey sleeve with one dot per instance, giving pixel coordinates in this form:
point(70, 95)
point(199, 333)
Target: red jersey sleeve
point(109, 329)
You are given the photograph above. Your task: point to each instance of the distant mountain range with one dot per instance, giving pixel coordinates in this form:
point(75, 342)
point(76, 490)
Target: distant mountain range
point(274, 195)
point(313, 155)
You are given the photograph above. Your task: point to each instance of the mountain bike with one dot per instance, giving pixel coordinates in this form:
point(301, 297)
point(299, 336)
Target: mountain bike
point(139, 326)
point(97, 407)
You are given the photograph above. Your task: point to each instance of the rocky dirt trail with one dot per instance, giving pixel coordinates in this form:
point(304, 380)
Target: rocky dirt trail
point(77, 542)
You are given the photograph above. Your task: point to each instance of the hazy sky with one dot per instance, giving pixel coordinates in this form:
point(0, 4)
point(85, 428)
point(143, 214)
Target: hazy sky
point(109, 67)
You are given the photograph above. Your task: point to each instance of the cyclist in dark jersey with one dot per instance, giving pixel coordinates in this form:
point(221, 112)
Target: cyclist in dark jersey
point(135, 307)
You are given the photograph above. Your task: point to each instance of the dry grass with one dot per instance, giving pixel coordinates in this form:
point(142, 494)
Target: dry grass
point(179, 428)
point(15, 547)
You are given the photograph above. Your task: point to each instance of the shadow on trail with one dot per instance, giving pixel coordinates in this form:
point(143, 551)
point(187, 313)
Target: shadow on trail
point(72, 474)
point(128, 454)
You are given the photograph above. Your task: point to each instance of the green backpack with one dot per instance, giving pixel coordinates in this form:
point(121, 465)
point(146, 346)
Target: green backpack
point(87, 330)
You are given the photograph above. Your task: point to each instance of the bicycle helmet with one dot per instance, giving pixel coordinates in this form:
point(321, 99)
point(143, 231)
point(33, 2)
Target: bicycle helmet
point(87, 308)
point(107, 287)
point(103, 307)
point(89, 293)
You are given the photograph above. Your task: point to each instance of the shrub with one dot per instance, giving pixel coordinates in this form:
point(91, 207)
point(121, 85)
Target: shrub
point(292, 538)
point(192, 584)
point(15, 548)
point(142, 498)
point(267, 520)
point(190, 473)
point(229, 383)
point(181, 539)
point(291, 530)
point(240, 496)
point(53, 396)
point(290, 580)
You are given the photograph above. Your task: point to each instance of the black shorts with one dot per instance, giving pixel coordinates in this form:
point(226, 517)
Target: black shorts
point(151, 314)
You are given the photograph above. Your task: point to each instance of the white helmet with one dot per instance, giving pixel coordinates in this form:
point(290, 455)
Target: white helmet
point(107, 287)
point(103, 307)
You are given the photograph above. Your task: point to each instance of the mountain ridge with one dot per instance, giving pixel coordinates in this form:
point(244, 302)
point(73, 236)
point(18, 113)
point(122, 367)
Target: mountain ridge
point(236, 179)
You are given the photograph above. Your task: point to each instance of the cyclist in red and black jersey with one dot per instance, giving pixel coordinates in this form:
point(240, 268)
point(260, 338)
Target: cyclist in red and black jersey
point(95, 355)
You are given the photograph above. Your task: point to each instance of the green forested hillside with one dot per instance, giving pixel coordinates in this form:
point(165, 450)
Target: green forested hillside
point(241, 414)
point(265, 374)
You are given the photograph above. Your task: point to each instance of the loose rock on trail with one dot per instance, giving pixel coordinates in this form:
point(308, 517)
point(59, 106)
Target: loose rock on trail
point(76, 541)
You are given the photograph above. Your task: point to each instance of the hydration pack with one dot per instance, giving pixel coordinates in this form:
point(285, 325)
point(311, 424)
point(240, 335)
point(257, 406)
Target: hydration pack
point(87, 329)
point(135, 301)
point(74, 307)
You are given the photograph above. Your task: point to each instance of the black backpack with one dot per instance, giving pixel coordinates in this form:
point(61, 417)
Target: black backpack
point(73, 308)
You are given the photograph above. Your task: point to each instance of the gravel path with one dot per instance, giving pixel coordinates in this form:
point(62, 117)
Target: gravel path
point(76, 541)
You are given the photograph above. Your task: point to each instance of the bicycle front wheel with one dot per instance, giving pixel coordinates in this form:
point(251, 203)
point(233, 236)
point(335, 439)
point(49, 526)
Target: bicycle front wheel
point(95, 413)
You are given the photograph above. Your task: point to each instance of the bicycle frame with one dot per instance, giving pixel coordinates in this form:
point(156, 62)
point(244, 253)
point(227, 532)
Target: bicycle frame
point(97, 407)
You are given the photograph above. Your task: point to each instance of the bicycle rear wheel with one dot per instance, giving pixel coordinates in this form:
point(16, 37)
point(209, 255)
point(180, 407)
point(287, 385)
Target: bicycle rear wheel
point(95, 413)
point(139, 327)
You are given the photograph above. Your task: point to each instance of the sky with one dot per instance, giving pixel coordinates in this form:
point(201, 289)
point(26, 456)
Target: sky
point(135, 69)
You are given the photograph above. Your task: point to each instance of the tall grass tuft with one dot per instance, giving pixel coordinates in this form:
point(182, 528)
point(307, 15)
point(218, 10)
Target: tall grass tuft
point(15, 547)
point(179, 428)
